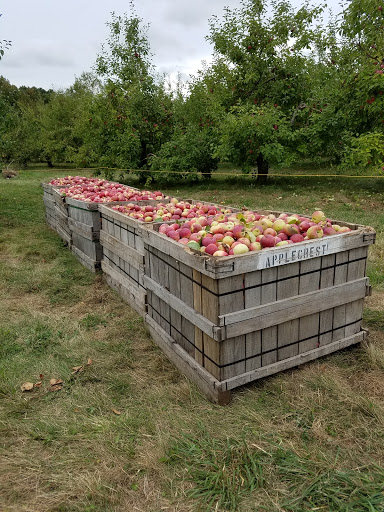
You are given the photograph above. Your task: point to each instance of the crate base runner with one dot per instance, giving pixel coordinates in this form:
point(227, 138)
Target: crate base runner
point(220, 392)
point(133, 294)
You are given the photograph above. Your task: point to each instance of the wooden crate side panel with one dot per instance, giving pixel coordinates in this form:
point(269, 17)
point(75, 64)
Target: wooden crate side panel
point(63, 233)
point(83, 229)
point(84, 216)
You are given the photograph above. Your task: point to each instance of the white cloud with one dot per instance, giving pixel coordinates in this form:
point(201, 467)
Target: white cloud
point(52, 43)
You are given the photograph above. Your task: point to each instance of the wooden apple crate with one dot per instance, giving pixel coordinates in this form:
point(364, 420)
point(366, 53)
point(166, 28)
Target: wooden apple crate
point(227, 321)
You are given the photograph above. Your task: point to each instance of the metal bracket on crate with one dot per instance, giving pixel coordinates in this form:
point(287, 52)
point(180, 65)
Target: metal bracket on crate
point(368, 290)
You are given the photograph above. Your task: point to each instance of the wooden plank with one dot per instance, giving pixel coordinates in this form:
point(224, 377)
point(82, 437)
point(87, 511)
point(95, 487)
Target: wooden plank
point(82, 205)
point(275, 313)
point(287, 332)
point(288, 281)
point(212, 350)
point(123, 251)
point(231, 294)
point(189, 313)
point(357, 261)
point(298, 360)
point(310, 272)
point(85, 260)
point(91, 249)
point(63, 234)
point(353, 316)
point(310, 281)
point(232, 357)
point(269, 285)
point(269, 345)
point(197, 304)
point(268, 258)
point(83, 229)
point(209, 298)
point(187, 365)
point(341, 276)
point(252, 351)
point(134, 295)
point(252, 289)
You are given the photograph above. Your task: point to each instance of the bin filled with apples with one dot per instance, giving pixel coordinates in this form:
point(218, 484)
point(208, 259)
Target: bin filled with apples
point(175, 209)
point(240, 233)
point(95, 190)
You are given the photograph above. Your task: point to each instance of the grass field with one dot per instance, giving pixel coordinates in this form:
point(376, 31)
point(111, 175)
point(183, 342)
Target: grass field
point(128, 432)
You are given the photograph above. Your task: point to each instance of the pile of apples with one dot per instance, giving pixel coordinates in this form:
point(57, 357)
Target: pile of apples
point(76, 180)
point(249, 231)
point(108, 192)
point(174, 210)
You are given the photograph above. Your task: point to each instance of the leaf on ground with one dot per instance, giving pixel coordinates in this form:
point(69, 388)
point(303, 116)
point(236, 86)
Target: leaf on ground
point(27, 386)
point(89, 362)
point(37, 384)
point(77, 369)
point(56, 387)
point(41, 377)
point(55, 382)
point(115, 411)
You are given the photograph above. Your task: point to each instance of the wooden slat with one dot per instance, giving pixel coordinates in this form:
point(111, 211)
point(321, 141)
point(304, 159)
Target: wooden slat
point(197, 304)
point(63, 234)
point(208, 385)
point(135, 296)
point(85, 260)
point(189, 313)
point(300, 359)
point(90, 248)
point(281, 311)
point(123, 251)
point(83, 229)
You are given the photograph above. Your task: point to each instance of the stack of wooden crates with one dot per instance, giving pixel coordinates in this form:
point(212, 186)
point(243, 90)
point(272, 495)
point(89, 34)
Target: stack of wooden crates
point(227, 321)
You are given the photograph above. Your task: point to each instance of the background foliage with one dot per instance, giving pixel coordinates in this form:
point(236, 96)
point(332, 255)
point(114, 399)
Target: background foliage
point(282, 85)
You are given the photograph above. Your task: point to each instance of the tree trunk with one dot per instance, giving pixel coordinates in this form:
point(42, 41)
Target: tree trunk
point(262, 170)
point(49, 163)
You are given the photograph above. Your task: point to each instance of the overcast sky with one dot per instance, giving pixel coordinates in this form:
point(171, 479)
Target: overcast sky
point(54, 42)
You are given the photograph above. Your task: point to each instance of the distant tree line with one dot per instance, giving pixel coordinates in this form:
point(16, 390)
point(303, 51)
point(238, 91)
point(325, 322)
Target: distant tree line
point(282, 86)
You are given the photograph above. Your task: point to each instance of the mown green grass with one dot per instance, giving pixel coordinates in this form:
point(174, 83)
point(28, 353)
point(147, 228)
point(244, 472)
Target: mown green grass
point(311, 438)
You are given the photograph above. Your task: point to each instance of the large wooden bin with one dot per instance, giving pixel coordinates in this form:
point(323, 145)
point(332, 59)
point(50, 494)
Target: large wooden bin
point(227, 321)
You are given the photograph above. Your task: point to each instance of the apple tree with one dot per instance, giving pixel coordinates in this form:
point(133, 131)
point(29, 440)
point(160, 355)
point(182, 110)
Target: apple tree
point(263, 55)
point(344, 119)
point(134, 102)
